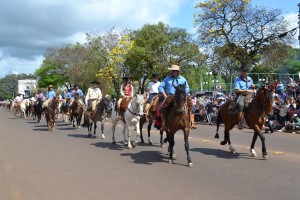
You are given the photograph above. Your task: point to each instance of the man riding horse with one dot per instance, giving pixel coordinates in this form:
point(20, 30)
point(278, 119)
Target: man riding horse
point(93, 96)
point(127, 93)
point(167, 90)
point(77, 91)
point(153, 91)
point(244, 90)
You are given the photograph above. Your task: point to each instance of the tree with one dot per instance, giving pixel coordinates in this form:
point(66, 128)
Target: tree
point(239, 30)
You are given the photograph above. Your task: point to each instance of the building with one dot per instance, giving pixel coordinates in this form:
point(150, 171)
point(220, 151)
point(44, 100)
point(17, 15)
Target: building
point(26, 86)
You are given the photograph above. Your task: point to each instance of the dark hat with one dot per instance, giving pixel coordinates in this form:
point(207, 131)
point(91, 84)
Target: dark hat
point(126, 76)
point(94, 81)
point(76, 85)
point(154, 75)
point(244, 68)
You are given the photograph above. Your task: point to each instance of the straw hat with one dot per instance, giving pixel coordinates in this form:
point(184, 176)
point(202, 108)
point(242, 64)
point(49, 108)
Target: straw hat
point(50, 86)
point(174, 68)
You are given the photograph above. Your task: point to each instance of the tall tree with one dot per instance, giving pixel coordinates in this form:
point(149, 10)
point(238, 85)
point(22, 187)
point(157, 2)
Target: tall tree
point(238, 29)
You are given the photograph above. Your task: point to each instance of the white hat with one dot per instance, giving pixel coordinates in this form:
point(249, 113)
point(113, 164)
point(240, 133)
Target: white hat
point(221, 98)
point(174, 67)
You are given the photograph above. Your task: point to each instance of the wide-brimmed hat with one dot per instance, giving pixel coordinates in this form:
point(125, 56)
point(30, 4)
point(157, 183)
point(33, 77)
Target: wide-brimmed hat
point(154, 75)
point(94, 81)
point(174, 68)
point(126, 76)
point(244, 68)
point(50, 86)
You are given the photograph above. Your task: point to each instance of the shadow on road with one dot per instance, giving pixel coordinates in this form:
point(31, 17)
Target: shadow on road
point(108, 145)
point(146, 157)
point(220, 153)
point(40, 129)
point(78, 135)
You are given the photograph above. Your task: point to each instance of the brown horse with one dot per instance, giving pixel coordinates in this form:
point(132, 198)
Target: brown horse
point(151, 118)
point(76, 112)
point(50, 113)
point(178, 118)
point(259, 108)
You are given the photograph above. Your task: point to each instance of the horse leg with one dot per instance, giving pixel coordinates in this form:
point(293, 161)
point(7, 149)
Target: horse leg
point(115, 121)
point(264, 149)
point(187, 146)
point(252, 151)
point(141, 130)
point(149, 129)
point(95, 128)
point(128, 136)
point(90, 126)
point(171, 145)
point(123, 131)
point(134, 144)
point(102, 130)
point(227, 140)
point(161, 139)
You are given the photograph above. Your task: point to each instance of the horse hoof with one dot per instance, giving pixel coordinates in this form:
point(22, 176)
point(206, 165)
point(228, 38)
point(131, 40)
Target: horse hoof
point(162, 146)
point(150, 143)
point(165, 140)
point(103, 137)
point(233, 152)
point(142, 142)
point(129, 147)
point(253, 154)
point(190, 164)
point(223, 142)
point(134, 144)
point(114, 142)
point(90, 135)
point(174, 156)
point(170, 161)
point(265, 156)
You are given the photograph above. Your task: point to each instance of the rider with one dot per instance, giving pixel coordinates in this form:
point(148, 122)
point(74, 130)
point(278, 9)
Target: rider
point(153, 90)
point(78, 91)
point(18, 99)
point(127, 92)
point(167, 90)
point(244, 90)
point(93, 96)
point(50, 94)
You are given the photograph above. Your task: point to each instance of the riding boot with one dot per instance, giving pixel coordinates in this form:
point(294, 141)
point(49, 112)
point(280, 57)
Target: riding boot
point(192, 121)
point(240, 120)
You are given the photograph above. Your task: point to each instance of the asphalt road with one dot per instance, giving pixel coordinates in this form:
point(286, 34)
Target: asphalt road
point(65, 164)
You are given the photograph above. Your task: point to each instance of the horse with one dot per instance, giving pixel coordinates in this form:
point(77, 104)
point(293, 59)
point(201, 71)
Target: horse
point(90, 117)
point(17, 108)
point(259, 108)
point(178, 118)
point(38, 110)
point(76, 111)
point(151, 118)
point(64, 109)
point(51, 112)
point(131, 117)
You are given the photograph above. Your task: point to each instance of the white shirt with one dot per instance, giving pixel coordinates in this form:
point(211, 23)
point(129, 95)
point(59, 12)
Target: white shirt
point(93, 93)
point(153, 87)
point(18, 99)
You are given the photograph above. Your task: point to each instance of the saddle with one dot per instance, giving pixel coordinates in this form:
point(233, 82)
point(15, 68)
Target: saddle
point(154, 103)
point(123, 105)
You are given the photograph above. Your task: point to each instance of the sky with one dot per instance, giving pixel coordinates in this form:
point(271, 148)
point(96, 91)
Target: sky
point(29, 27)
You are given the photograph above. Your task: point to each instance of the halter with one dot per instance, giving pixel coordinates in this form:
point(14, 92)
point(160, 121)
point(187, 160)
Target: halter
point(268, 96)
point(133, 113)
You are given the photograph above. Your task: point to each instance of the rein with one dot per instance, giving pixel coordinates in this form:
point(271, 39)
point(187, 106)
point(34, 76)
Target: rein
point(133, 113)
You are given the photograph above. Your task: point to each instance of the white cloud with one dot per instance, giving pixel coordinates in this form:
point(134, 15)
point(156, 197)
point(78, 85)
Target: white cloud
point(29, 27)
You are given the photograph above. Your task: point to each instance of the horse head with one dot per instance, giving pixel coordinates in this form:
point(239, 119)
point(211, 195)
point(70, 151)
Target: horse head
point(104, 105)
point(265, 99)
point(139, 101)
point(180, 97)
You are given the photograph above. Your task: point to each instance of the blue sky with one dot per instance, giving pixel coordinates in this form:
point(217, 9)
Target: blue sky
point(29, 27)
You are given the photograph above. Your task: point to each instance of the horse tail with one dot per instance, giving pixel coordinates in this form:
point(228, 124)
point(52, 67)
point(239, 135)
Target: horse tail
point(219, 119)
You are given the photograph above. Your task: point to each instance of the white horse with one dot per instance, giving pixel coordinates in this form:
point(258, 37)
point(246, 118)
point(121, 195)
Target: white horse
point(131, 117)
point(15, 109)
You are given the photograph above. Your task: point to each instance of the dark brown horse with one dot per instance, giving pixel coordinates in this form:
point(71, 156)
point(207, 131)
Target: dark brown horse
point(259, 108)
point(178, 118)
point(76, 112)
point(50, 113)
point(38, 110)
point(92, 117)
point(151, 118)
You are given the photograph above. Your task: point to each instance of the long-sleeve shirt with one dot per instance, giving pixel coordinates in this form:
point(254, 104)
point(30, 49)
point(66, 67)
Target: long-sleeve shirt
point(50, 94)
point(79, 92)
point(167, 87)
point(93, 93)
point(41, 96)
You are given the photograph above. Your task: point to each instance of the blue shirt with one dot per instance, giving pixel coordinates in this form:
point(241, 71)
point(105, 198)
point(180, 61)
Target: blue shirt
point(69, 95)
point(240, 84)
point(167, 87)
point(79, 92)
point(50, 94)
